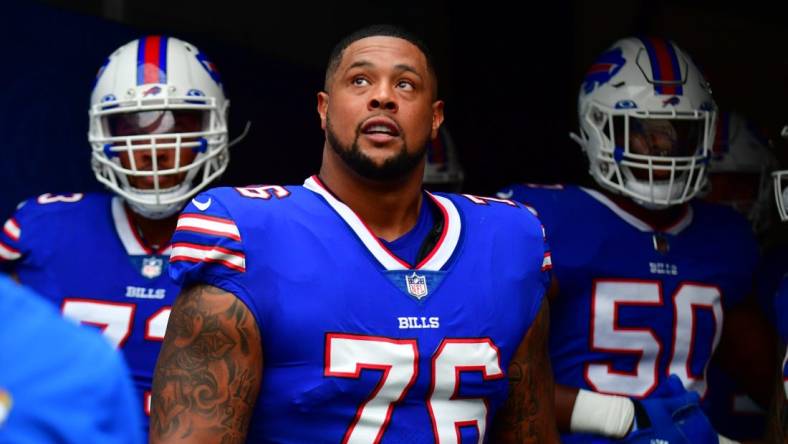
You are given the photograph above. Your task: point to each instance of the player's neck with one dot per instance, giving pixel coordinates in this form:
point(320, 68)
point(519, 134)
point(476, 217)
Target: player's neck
point(156, 233)
point(661, 219)
point(388, 209)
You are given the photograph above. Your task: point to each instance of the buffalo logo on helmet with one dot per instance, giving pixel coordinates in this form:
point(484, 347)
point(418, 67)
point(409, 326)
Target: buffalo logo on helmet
point(152, 91)
point(100, 71)
point(604, 68)
point(672, 101)
point(210, 68)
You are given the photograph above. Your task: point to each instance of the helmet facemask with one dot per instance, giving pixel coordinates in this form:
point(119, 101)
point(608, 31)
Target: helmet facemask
point(657, 159)
point(780, 180)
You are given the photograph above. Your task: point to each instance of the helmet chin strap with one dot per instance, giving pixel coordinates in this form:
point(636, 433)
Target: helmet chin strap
point(639, 192)
point(158, 213)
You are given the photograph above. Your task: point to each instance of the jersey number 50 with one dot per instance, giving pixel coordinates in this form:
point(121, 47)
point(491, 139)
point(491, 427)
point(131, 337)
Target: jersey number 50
point(608, 336)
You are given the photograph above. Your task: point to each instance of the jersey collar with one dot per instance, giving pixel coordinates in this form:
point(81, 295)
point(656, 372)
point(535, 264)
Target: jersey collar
point(683, 222)
point(434, 261)
point(128, 234)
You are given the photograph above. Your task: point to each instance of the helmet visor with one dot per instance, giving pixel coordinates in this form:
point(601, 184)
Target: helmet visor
point(156, 122)
point(660, 137)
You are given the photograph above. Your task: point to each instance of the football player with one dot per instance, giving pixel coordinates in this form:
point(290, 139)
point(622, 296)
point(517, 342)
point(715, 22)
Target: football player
point(158, 132)
point(645, 273)
point(359, 308)
point(740, 176)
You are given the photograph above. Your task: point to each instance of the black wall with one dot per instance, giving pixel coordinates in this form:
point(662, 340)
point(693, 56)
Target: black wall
point(509, 76)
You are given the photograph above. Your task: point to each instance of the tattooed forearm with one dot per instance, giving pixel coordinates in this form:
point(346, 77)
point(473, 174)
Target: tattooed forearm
point(528, 415)
point(208, 372)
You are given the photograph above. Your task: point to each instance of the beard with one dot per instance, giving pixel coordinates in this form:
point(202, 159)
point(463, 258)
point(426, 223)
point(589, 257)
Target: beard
point(392, 169)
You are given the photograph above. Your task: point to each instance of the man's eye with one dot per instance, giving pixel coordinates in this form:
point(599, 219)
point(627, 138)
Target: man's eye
point(360, 81)
point(406, 85)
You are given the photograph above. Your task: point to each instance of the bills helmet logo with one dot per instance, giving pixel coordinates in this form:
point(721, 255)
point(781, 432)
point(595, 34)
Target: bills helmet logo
point(210, 68)
point(604, 68)
point(416, 285)
point(673, 101)
point(152, 267)
point(152, 91)
point(100, 71)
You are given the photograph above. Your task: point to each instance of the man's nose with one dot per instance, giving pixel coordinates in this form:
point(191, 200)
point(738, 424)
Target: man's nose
point(383, 99)
point(662, 144)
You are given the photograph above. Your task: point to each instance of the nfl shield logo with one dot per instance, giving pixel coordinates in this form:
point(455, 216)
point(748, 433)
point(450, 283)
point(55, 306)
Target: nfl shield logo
point(151, 267)
point(416, 285)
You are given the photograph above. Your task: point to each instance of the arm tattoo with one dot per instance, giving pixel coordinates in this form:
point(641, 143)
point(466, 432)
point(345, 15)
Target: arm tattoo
point(528, 414)
point(209, 370)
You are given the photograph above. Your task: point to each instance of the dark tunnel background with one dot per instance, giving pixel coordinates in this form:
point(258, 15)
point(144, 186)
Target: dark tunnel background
point(509, 75)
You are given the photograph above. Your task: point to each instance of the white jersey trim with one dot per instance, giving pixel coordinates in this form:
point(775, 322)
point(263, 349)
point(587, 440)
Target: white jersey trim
point(125, 230)
point(439, 256)
point(202, 253)
point(629, 218)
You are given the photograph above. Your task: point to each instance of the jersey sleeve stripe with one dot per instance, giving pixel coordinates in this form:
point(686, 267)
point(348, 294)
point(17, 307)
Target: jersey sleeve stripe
point(547, 262)
point(201, 253)
point(208, 225)
point(8, 253)
point(11, 229)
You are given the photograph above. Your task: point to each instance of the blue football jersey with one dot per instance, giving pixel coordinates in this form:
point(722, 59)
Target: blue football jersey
point(732, 412)
point(59, 383)
point(82, 253)
point(637, 305)
point(358, 345)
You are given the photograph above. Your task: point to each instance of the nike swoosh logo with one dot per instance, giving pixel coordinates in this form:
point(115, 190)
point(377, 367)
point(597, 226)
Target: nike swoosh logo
point(202, 206)
point(506, 195)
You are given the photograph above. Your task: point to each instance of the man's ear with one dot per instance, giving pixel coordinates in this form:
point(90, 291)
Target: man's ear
point(437, 118)
point(322, 107)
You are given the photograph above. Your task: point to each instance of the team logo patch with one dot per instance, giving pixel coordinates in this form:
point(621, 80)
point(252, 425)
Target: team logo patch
point(416, 285)
point(661, 243)
point(151, 267)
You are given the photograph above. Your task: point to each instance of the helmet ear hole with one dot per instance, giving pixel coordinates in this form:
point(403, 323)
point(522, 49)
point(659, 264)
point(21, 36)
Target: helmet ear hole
point(182, 86)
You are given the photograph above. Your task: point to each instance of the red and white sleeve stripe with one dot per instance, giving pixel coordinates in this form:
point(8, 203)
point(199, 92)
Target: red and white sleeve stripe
point(8, 254)
point(204, 253)
point(216, 226)
point(11, 229)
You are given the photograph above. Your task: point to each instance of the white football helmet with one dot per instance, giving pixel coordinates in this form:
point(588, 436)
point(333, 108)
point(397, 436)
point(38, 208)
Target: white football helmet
point(780, 178)
point(646, 122)
point(741, 164)
point(443, 171)
point(158, 124)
